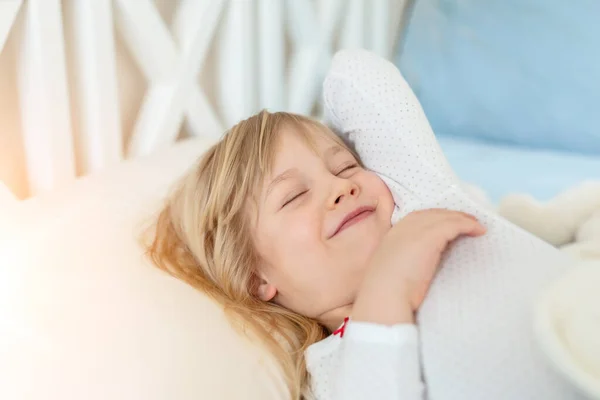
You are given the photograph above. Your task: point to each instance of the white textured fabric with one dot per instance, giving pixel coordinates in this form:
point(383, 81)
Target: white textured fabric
point(348, 357)
point(475, 326)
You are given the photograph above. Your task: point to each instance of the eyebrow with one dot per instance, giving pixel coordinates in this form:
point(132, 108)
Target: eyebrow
point(333, 150)
point(287, 174)
point(280, 178)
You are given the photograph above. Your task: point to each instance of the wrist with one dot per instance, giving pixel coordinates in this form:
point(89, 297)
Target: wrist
point(383, 304)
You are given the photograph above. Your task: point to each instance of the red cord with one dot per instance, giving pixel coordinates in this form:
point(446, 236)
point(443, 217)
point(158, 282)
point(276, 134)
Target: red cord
point(342, 328)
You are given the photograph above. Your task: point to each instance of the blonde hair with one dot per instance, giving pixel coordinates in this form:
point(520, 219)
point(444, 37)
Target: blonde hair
point(202, 236)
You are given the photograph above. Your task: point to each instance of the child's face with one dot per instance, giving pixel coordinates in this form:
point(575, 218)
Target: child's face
point(313, 262)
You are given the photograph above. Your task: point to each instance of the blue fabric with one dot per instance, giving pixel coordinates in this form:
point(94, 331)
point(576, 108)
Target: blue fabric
point(517, 71)
point(500, 170)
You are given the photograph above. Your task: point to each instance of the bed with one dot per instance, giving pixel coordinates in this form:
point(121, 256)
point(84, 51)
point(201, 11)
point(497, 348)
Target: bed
point(104, 103)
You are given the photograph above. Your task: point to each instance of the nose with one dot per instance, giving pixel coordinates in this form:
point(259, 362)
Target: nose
point(342, 189)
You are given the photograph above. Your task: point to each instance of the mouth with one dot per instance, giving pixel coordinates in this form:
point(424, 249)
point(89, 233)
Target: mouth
point(353, 217)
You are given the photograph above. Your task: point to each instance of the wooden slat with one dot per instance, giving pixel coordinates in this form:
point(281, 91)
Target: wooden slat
point(380, 41)
point(99, 141)
point(43, 95)
point(8, 13)
point(271, 65)
point(313, 43)
point(399, 11)
point(200, 118)
point(237, 62)
point(159, 120)
point(151, 44)
point(171, 73)
point(353, 33)
point(195, 37)
point(147, 37)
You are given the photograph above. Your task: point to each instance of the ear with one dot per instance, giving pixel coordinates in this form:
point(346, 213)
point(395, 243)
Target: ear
point(265, 291)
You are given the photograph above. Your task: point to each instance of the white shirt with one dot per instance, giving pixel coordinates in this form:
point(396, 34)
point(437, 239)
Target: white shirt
point(384, 357)
point(474, 339)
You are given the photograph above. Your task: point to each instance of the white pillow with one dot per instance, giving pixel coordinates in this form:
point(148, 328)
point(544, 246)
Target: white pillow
point(9, 211)
point(5, 194)
point(7, 201)
point(83, 315)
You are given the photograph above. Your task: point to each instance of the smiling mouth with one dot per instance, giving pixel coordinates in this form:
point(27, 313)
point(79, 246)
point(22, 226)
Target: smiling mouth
point(353, 218)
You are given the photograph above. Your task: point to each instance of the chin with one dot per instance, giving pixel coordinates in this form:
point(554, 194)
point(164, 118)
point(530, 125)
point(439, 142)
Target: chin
point(363, 252)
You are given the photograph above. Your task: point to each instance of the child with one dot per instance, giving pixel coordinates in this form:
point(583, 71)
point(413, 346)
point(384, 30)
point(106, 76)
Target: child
point(282, 225)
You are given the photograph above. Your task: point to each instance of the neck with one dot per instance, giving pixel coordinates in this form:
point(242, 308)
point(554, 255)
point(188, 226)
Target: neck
point(334, 318)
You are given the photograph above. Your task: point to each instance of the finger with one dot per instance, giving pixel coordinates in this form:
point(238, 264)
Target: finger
point(452, 219)
point(462, 214)
point(443, 213)
point(457, 225)
point(478, 230)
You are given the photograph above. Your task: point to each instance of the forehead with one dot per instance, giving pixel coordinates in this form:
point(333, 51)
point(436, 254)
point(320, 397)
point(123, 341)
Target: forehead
point(295, 144)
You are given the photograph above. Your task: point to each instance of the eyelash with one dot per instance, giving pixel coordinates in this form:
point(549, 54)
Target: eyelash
point(293, 198)
point(347, 167)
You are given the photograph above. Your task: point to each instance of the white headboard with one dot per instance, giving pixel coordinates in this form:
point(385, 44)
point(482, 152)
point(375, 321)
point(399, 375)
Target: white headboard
point(87, 83)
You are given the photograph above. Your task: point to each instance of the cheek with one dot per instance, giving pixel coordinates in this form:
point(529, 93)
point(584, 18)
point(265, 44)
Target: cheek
point(375, 187)
point(386, 198)
point(292, 237)
point(301, 231)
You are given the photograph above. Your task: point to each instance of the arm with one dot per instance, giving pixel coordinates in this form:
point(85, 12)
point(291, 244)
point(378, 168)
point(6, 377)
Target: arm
point(378, 355)
point(370, 105)
point(371, 361)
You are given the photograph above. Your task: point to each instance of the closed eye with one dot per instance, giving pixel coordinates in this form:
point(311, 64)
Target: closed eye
point(347, 168)
point(295, 197)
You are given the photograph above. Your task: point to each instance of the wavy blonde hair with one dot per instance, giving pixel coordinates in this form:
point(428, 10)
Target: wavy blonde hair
point(202, 236)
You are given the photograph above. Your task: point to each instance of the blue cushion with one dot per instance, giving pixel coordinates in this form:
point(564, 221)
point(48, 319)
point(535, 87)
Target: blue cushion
point(517, 71)
point(500, 170)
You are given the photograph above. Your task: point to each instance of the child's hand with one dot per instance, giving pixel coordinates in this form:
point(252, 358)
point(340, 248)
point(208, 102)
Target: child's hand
point(403, 266)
